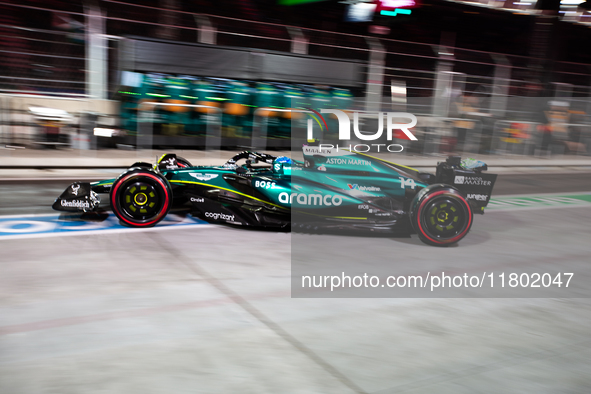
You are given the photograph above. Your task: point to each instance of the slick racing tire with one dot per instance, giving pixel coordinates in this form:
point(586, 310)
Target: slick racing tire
point(140, 197)
point(441, 216)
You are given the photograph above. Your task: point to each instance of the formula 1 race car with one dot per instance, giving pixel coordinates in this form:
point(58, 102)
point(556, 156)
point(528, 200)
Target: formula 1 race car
point(330, 188)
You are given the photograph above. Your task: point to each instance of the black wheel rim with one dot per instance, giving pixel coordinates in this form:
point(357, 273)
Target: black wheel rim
point(444, 218)
point(140, 200)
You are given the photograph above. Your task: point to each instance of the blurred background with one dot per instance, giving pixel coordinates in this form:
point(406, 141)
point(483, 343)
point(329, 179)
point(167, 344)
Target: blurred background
point(487, 77)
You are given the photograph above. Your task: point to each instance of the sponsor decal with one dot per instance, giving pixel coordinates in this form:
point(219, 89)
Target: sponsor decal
point(310, 199)
point(265, 184)
point(477, 197)
point(197, 199)
point(377, 212)
point(471, 180)
point(75, 189)
point(171, 164)
point(364, 188)
point(316, 150)
point(203, 177)
point(75, 204)
point(219, 215)
point(355, 162)
point(277, 166)
point(404, 182)
point(321, 168)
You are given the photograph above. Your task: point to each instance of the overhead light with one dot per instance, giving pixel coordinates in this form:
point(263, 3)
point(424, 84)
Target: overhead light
point(398, 3)
point(398, 90)
point(50, 114)
point(44, 111)
point(353, 2)
point(101, 132)
point(397, 11)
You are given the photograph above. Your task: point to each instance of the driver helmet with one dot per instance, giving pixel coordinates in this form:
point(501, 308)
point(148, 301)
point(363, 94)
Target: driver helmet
point(281, 161)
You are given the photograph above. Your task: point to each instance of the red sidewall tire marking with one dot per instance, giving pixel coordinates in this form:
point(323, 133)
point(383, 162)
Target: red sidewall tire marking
point(163, 210)
point(457, 237)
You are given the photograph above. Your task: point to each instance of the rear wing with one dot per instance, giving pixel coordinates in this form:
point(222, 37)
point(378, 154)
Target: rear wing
point(469, 178)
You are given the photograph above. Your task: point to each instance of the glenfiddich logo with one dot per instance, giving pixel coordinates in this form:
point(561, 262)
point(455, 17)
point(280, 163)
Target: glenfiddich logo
point(75, 204)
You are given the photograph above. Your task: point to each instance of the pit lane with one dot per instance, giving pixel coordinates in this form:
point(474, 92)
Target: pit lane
point(209, 307)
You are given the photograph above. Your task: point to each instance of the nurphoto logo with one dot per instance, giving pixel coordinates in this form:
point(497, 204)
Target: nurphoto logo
point(344, 122)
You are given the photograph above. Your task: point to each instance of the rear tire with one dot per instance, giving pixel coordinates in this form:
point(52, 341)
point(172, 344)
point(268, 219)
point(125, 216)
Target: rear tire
point(140, 197)
point(442, 217)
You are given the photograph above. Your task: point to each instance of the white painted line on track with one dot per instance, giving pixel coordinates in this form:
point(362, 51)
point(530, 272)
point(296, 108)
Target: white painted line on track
point(106, 231)
point(28, 215)
point(529, 202)
point(542, 194)
point(68, 179)
point(537, 208)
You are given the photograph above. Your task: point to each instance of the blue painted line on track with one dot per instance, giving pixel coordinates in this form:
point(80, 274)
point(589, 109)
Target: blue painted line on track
point(32, 226)
point(56, 224)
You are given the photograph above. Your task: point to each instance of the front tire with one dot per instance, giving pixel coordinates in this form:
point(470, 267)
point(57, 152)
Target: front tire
point(140, 197)
point(442, 217)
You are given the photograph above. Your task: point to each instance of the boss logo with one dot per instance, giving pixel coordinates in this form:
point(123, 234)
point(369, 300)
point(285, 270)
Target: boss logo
point(265, 184)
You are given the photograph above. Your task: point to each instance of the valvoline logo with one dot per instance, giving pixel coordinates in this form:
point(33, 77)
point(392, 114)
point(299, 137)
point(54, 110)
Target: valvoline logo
point(363, 188)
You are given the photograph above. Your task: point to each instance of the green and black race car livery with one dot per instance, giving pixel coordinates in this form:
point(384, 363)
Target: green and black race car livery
point(329, 188)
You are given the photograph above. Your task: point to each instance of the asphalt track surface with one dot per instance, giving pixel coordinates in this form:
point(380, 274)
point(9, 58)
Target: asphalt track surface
point(208, 309)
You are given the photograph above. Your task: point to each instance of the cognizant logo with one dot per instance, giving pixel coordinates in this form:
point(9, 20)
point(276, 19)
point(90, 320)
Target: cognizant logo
point(345, 125)
point(218, 215)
